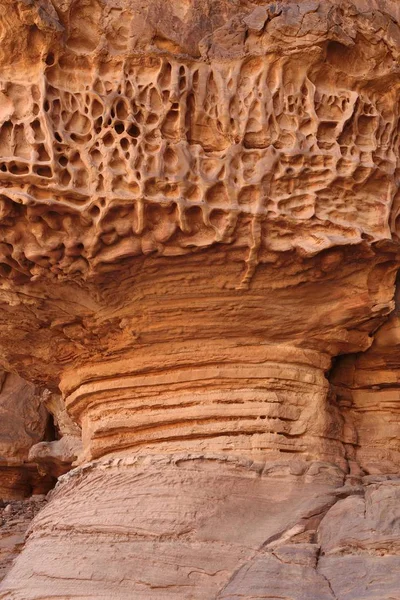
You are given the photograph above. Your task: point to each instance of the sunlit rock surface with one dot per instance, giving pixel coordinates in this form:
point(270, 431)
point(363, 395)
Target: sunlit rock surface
point(199, 247)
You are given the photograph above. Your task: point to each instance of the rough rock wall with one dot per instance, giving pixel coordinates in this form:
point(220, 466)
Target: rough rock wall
point(367, 390)
point(115, 152)
point(199, 212)
point(15, 519)
point(38, 443)
point(38, 440)
point(23, 423)
point(55, 456)
point(204, 528)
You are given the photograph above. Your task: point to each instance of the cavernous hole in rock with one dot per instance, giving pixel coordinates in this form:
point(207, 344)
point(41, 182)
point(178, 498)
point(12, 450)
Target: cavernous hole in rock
point(363, 387)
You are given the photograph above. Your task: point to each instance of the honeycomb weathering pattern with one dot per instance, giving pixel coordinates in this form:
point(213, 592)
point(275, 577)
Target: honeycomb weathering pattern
point(253, 136)
point(199, 213)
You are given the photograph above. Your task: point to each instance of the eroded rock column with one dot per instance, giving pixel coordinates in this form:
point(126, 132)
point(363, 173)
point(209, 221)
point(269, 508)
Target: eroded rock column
point(231, 397)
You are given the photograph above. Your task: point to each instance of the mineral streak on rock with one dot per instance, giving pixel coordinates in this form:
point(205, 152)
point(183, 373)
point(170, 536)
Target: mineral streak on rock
point(199, 211)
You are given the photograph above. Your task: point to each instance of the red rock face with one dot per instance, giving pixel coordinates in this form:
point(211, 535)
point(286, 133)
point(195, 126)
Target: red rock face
point(199, 211)
point(367, 390)
point(23, 424)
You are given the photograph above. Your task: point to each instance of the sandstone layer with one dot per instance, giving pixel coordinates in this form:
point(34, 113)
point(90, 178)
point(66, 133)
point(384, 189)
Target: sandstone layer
point(199, 246)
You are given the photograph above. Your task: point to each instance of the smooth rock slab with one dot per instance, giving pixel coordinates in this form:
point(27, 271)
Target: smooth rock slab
point(363, 577)
point(187, 528)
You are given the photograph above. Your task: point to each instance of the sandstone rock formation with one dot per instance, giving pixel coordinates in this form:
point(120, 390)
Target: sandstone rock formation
point(23, 423)
point(38, 443)
point(56, 456)
point(199, 245)
point(15, 518)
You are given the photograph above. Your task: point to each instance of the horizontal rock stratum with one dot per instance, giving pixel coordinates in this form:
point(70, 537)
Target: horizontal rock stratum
point(199, 245)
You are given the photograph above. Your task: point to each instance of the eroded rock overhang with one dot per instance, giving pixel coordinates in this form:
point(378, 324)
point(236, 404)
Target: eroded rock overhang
point(194, 180)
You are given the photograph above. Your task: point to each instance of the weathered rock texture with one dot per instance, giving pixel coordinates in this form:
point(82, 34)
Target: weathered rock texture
point(55, 456)
point(199, 211)
point(23, 424)
point(367, 387)
point(38, 440)
point(15, 518)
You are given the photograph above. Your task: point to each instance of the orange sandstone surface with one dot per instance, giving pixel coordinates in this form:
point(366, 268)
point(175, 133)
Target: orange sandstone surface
point(199, 247)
